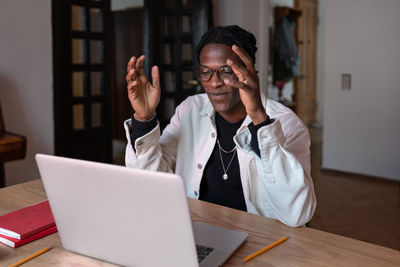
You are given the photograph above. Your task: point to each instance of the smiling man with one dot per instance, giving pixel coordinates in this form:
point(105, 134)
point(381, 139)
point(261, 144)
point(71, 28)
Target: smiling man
point(231, 145)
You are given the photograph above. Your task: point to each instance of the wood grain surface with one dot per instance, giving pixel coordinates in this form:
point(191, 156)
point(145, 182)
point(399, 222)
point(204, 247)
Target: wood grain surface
point(304, 247)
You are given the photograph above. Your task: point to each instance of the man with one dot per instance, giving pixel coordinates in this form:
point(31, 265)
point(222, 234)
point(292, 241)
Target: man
point(231, 145)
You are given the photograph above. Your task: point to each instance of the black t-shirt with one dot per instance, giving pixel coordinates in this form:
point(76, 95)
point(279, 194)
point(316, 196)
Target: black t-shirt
point(213, 187)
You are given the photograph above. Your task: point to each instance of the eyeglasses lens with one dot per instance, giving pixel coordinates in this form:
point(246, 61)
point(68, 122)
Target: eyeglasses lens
point(204, 74)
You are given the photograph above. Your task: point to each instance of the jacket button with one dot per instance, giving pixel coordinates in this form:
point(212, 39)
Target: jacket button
point(199, 166)
point(195, 193)
point(213, 135)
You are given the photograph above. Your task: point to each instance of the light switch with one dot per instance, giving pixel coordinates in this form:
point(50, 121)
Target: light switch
point(346, 81)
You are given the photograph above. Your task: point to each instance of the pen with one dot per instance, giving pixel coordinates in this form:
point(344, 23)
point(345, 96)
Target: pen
point(255, 254)
point(40, 252)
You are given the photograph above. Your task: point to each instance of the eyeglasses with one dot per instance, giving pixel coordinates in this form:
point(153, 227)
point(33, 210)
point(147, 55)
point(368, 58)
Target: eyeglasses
point(204, 74)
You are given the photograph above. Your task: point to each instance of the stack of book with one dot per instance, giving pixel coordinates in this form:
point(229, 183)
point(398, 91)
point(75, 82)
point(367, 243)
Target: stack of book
point(27, 224)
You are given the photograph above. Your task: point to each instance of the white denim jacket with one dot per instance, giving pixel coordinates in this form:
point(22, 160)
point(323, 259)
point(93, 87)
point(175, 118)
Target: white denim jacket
point(276, 185)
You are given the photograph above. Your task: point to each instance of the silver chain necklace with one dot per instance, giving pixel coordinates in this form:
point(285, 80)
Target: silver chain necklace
point(225, 175)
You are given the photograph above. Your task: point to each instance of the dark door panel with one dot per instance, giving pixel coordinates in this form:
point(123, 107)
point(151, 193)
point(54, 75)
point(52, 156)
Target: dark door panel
point(82, 91)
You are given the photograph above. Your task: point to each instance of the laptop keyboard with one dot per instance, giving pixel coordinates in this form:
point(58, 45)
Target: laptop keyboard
point(202, 252)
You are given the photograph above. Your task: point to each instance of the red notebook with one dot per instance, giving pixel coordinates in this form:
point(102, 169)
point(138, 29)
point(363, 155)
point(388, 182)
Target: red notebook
point(13, 242)
point(27, 221)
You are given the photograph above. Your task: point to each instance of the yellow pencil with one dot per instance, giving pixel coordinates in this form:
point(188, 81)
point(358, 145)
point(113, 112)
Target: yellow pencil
point(255, 254)
point(18, 263)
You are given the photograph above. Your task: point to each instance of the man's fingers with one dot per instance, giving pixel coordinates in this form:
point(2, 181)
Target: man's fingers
point(131, 76)
point(140, 62)
point(240, 71)
point(243, 74)
point(155, 74)
point(247, 60)
point(237, 84)
point(133, 90)
point(131, 86)
point(131, 64)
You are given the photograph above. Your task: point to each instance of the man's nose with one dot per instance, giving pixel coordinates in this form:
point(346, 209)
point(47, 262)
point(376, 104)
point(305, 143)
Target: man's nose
point(215, 80)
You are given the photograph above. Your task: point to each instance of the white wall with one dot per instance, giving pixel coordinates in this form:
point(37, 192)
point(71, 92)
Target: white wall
point(252, 17)
point(26, 78)
point(362, 126)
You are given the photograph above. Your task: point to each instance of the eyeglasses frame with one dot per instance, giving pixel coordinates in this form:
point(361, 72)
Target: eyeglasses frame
point(216, 70)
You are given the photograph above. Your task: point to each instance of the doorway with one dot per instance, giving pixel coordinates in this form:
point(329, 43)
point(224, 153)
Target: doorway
point(305, 84)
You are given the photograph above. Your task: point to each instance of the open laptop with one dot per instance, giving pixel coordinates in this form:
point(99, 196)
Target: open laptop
point(129, 216)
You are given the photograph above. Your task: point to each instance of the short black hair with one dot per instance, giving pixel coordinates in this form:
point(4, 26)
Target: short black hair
point(229, 35)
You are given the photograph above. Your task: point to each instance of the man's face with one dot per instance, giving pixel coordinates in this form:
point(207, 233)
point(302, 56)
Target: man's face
point(224, 98)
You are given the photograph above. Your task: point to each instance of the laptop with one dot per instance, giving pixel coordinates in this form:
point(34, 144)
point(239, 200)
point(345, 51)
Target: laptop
point(129, 217)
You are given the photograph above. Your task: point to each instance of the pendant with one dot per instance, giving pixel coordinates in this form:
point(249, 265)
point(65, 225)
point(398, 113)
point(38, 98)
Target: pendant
point(225, 176)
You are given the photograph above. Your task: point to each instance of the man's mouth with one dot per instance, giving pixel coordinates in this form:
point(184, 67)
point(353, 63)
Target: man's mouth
point(218, 96)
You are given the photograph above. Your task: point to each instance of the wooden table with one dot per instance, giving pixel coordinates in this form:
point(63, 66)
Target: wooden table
point(305, 246)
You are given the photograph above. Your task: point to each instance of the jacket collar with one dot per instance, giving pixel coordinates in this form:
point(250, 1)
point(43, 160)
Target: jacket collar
point(208, 111)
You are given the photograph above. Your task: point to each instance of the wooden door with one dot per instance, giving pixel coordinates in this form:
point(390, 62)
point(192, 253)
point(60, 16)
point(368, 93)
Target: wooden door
point(172, 30)
point(305, 85)
point(82, 91)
